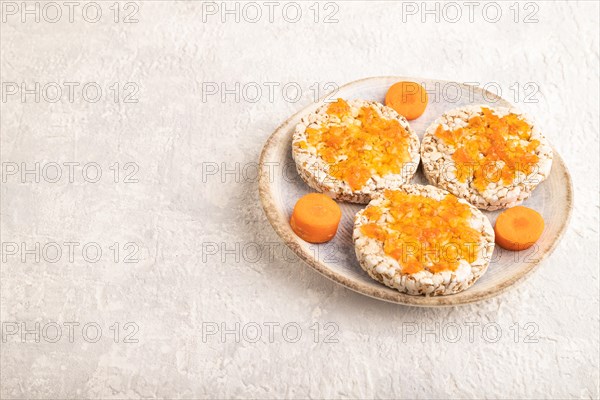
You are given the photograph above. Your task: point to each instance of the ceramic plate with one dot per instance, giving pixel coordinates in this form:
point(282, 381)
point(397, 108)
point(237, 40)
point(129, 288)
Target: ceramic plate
point(280, 187)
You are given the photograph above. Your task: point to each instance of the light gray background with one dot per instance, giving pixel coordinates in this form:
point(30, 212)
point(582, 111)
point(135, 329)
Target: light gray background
point(178, 216)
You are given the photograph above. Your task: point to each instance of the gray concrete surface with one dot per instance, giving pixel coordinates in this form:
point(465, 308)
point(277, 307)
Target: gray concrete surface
point(202, 300)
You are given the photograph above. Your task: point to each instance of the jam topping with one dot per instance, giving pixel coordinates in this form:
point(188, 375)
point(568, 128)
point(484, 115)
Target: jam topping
point(491, 149)
point(361, 145)
point(424, 234)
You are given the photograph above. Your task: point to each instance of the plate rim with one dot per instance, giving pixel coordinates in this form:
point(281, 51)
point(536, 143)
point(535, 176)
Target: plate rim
point(282, 228)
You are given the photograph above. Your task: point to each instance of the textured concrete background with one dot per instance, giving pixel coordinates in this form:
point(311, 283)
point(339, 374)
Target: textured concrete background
point(206, 260)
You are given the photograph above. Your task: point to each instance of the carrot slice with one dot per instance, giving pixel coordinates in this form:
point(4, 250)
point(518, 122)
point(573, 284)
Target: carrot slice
point(518, 228)
point(316, 218)
point(409, 99)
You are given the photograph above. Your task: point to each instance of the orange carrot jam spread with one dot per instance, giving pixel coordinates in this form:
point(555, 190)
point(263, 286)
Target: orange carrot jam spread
point(425, 234)
point(487, 140)
point(360, 146)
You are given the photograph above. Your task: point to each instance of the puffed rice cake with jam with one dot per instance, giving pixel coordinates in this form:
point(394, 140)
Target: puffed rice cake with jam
point(492, 157)
point(352, 149)
point(422, 240)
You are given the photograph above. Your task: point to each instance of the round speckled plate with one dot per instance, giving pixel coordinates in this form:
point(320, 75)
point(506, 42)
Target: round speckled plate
point(280, 187)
